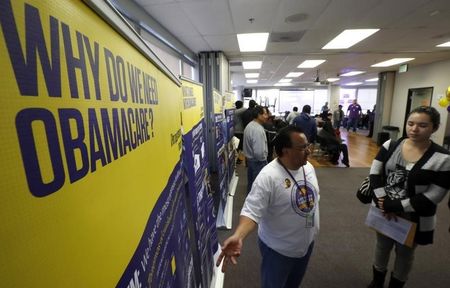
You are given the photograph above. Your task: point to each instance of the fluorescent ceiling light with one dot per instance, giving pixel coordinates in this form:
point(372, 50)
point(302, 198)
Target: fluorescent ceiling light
point(353, 84)
point(252, 64)
point(392, 62)
point(332, 79)
point(252, 81)
point(348, 38)
point(446, 44)
point(352, 73)
point(372, 80)
point(294, 74)
point(251, 75)
point(282, 84)
point(285, 80)
point(310, 63)
point(252, 42)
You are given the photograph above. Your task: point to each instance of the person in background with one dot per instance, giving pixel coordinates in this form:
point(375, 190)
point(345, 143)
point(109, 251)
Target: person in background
point(284, 205)
point(354, 113)
point(371, 121)
point(271, 131)
point(324, 111)
point(290, 118)
point(307, 123)
point(365, 120)
point(255, 144)
point(333, 143)
point(247, 115)
point(415, 178)
point(338, 116)
point(239, 126)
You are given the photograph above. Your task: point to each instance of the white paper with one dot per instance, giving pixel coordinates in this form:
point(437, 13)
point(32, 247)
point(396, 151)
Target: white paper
point(235, 142)
point(397, 230)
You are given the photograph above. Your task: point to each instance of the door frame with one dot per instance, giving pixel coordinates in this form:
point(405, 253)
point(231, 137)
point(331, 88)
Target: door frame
point(409, 101)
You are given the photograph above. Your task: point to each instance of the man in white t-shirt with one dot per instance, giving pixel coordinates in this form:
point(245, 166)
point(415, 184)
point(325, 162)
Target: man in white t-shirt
point(290, 118)
point(284, 205)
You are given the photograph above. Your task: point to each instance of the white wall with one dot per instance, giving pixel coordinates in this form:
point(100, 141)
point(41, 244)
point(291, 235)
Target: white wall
point(434, 75)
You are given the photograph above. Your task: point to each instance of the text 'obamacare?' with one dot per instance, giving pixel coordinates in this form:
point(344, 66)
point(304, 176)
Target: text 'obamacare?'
point(79, 129)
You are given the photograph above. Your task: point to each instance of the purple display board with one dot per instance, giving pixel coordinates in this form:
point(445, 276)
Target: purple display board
point(195, 166)
point(229, 124)
point(219, 127)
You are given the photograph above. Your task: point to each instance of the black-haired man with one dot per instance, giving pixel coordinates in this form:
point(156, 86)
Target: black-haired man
point(284, 204)
point(307, 123)
point(255, 144)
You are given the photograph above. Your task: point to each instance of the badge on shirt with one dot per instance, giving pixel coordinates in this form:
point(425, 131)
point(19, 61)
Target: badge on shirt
point(309, 221)
point(287, 183)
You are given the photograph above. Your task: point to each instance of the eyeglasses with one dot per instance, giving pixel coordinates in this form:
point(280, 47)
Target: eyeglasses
point(302, 147)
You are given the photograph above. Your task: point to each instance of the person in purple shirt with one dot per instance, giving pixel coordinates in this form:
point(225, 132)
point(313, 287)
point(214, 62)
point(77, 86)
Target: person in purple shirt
point(353, 112)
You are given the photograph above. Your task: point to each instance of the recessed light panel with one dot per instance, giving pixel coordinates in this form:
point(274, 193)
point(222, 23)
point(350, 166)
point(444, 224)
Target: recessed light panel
point(251, 75)
point(310, 63)
point(294, 74)
point(392, 62)
point(251, 64)
point(252, 81)
point(348, 38)
point(353, 84)
point(352, 73)
point(372, 80)
point(285, 80)
point(282, 84)
point(252, 42)
point(332, 79)
point(446, 44)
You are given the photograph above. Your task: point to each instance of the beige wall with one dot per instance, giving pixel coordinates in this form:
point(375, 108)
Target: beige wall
point(434, 75)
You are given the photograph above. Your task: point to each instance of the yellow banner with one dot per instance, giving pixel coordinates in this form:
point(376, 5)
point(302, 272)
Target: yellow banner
point(218, 102)
point(229, 99)
point(192, 104)
point(90, 135)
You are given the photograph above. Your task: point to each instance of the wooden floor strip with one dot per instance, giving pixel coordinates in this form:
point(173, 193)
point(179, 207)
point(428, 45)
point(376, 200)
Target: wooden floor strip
point(361, 150)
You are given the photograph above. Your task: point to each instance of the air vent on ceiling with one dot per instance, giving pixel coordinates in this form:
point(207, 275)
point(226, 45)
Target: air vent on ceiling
point(295, 18)
point(234, 64)
point(286, 36)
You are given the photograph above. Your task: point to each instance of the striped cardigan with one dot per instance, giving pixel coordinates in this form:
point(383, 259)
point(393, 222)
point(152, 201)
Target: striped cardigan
point(428, 183)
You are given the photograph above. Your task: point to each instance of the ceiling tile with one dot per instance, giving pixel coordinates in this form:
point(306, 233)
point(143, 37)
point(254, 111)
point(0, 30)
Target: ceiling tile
point(172, 18)
point(209, 18)
point(262, 11)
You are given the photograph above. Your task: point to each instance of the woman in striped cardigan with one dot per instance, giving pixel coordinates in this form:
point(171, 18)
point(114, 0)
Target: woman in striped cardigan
point(409, 179)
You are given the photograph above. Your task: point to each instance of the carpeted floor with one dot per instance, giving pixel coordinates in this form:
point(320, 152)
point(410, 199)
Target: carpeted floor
point(342, 255)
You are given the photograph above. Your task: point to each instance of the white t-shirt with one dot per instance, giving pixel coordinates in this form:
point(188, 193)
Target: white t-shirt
point(276, 204)
point(290, 118)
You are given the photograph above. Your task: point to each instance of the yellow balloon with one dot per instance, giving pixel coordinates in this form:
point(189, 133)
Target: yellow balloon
point(443, 102)
point(448, 93)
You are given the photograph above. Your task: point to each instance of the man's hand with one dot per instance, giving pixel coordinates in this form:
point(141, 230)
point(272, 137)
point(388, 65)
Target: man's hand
point(230, 251)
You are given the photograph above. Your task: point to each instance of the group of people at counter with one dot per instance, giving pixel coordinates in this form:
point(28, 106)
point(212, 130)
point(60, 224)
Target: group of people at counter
point(409, 177)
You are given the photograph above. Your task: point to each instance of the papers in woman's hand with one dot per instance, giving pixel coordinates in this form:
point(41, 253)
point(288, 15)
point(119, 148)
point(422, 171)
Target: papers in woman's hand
point(402, 230)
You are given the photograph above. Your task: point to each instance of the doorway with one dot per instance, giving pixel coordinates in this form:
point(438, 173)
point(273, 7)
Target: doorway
point(417, 97)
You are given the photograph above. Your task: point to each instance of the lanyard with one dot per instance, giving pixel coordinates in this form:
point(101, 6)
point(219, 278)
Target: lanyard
point(295, 181)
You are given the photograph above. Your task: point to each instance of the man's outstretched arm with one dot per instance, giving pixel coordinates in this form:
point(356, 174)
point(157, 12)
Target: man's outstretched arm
point(232, 246)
